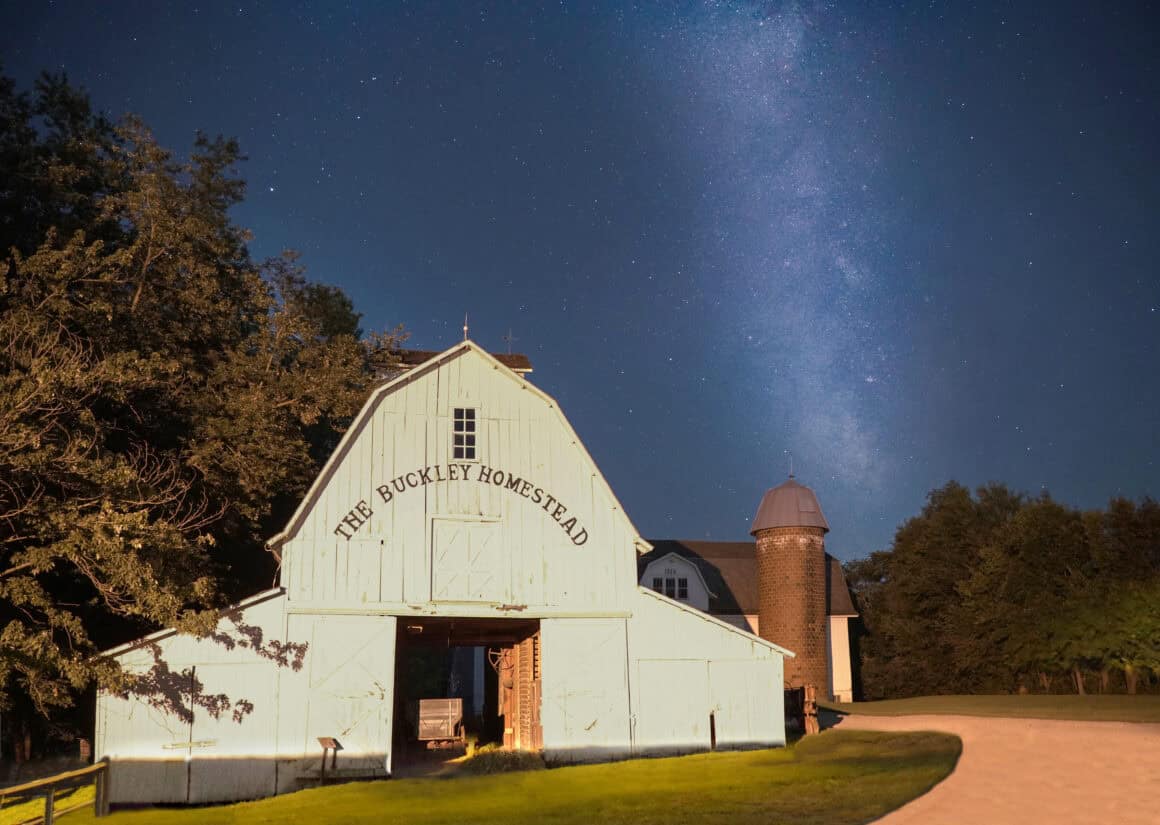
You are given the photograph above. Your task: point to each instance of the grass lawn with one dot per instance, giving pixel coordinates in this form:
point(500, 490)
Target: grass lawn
point(33, 808)
point(835, 778)
point(1082, 708)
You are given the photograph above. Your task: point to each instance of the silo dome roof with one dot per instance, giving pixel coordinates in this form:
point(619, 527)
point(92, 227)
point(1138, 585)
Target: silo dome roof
point(789, 505)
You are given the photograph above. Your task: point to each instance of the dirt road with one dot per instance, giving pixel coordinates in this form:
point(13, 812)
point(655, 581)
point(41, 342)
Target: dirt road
point(1030, 771)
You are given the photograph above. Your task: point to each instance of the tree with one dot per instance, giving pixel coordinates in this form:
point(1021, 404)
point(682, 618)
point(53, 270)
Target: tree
point(916, 634)
point(995, 591)
point(162, 397)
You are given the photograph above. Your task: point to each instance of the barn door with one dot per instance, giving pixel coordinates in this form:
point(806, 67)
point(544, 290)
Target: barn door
point(519, 679)
point(529, 731)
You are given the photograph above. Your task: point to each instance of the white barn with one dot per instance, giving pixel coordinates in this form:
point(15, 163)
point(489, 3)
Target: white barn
point(459, 511)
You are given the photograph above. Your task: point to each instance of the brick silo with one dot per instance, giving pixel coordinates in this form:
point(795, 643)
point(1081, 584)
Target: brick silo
point(791, 569)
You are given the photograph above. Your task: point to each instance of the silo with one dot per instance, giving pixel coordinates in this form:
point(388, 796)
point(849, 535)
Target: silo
point(791, 567)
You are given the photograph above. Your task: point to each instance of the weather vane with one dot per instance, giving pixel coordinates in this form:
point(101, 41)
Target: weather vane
point(465, 326)
point(508, 339)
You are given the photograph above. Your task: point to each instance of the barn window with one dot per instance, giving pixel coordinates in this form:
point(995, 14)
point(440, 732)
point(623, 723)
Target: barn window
point(463, 435)
point(659, 584)
point(682, 588)
point(671, 588)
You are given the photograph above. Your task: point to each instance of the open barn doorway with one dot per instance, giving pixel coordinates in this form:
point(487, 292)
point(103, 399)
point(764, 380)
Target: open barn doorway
point(461, 681)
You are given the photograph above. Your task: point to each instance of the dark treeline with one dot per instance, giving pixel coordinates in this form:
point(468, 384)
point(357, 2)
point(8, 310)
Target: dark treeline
point(164, 399)
point(999, 592)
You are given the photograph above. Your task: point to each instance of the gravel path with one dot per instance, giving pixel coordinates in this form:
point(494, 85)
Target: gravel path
point(1029, 771)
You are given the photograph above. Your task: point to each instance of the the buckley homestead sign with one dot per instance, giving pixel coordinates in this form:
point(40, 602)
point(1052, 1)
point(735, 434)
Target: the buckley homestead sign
point(358, 515)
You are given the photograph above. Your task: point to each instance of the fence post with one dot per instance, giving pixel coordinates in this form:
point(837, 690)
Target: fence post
point(49, 798)
point(101, 802)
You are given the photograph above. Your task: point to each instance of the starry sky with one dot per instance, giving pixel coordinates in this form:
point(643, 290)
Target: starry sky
point(901, 243)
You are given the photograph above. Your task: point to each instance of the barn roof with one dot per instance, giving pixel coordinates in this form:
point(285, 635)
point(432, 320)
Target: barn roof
point(516, 362)
point(730, 571)
point(415, 373)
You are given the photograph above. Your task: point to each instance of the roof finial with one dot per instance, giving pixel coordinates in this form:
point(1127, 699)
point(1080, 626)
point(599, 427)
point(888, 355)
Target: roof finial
point(465, 326)
point(509, 338)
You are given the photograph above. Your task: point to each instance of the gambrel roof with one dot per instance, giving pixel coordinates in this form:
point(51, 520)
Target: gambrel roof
point(419, 372)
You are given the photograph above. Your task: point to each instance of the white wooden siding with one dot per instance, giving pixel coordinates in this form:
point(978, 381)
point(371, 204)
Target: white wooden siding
point(344, 690)
point(585, 688)
point(158, 756)
point(388, 560)
point(727, 672)
point(674, 706)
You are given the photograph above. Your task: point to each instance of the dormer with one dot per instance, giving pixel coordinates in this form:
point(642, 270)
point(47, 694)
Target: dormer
point(678, 578)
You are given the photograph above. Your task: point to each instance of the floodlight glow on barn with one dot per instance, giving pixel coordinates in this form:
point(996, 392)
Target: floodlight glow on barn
point(461, 544)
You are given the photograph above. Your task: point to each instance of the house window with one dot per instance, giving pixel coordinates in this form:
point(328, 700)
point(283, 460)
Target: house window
point(682, 589)
point(659, 585)
point(463, 435)
point(671, 588)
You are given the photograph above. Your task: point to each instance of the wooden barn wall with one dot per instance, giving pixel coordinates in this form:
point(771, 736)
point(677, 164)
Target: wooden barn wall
point(342, 687)
point(685, 666)
point(344, 690)
point(585, 708)
point(521, 554)
point(158, 755)
point(649, 683)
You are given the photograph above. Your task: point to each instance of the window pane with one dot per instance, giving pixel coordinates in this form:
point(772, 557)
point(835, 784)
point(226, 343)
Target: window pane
point(470, 414)
point(682, 588)
point(469, 452)
point(458, 440)
point(470, 440)
point(458, 452)
point(470, 426)
point(458, 414)
point(670, 588)
point(658, 585)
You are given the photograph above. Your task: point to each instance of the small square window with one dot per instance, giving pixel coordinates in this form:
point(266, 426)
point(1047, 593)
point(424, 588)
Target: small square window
point(682, 588)
point(463, 433)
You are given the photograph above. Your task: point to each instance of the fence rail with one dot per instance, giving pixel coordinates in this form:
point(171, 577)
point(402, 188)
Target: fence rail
point(48, 788)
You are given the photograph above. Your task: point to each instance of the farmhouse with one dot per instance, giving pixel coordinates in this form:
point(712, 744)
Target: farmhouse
point(460, 543)
point(783, 586)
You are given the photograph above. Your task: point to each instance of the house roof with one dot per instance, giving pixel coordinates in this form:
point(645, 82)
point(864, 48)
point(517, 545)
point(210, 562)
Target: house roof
point(730, 571)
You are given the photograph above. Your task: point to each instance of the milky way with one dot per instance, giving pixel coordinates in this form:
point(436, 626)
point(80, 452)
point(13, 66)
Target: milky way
point(780, 110)
point(905, 244)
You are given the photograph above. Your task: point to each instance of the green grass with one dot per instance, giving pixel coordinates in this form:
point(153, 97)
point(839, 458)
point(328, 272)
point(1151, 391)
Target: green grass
point(834, 778)
point(1082, 708)
point(24, 811)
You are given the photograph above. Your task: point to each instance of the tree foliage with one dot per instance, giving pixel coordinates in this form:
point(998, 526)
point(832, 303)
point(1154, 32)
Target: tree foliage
point(162, 396)
point(997, 592)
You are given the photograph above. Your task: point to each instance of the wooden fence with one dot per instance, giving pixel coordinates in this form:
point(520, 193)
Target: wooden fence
point(48, 789)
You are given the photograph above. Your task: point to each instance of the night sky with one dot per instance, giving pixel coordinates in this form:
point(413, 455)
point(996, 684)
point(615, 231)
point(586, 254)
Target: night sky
point(905, 245)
